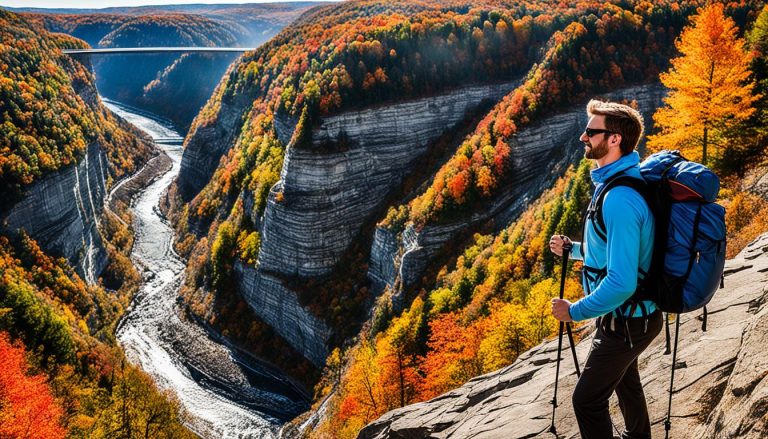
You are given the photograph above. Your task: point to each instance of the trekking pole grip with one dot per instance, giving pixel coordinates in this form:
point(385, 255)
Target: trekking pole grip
point(567, 247)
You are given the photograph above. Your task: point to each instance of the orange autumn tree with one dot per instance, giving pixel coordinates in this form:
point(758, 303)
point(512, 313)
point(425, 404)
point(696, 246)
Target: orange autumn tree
point(709, 88)
point(454, 354)
point(27, 408)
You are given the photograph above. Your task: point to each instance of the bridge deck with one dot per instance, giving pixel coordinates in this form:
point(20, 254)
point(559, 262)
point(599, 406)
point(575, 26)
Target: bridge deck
point(124, 50)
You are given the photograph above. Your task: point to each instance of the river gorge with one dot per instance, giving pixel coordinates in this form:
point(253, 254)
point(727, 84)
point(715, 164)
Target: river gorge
point(223, 391)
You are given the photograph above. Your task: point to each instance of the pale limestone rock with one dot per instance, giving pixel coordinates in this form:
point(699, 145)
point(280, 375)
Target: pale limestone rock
point(330, 190)
point(279, 307)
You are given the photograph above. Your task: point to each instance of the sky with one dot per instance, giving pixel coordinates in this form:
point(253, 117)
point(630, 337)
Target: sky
point(114, 3)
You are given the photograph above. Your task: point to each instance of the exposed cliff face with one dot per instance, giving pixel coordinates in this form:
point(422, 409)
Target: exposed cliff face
point(721, 378)
point(279, 307)
point(205, 145)
point(355, 159)
point(61, 213)
point(539, 154)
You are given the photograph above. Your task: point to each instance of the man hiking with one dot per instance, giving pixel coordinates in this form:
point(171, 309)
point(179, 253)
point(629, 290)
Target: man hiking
point(616, 253)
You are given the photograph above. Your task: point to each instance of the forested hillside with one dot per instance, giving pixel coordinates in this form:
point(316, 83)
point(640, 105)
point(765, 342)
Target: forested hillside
point(335, 64)
point(160, 82)
point(340, 56)
point(62, 371)
point(49, 112)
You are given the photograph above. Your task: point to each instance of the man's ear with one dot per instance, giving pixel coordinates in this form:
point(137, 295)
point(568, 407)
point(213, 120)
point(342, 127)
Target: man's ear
point(616, 139)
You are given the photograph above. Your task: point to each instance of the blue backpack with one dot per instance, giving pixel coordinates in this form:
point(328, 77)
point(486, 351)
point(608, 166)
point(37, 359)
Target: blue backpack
point(689, 246)
point(689, 243)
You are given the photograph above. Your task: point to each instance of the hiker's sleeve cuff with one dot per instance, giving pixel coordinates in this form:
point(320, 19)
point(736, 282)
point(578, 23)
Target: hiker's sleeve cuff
point(575, 311)
point(576, 252)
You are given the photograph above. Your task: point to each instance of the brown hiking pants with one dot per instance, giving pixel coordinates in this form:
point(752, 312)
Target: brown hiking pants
point(612, 366)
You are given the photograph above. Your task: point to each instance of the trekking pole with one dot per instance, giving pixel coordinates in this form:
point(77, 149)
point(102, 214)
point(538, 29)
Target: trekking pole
point(566, 250)
point(552, 428)
point(667, 351)
point(668, 422)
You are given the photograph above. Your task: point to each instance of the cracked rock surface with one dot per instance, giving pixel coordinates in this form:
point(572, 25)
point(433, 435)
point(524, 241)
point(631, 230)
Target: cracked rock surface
point(721, 385)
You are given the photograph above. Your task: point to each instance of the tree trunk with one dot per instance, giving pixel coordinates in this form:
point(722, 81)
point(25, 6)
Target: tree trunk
point(706, 121)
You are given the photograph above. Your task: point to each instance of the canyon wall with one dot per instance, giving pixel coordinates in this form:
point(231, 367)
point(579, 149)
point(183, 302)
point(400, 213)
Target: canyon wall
point(204, 146)
point(61, 213)
point(279, 307)
point(329, 189)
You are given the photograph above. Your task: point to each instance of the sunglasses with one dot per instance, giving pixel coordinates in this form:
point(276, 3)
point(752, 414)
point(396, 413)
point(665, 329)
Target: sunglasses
point(592, 131)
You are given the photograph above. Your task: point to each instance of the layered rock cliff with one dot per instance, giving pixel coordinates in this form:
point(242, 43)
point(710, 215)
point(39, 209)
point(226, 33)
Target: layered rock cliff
point(279, 307)
point(355, 159)
point(539, 155)
point(205, 145)
point(63, 145)
point(61, 213)
point(721, 377)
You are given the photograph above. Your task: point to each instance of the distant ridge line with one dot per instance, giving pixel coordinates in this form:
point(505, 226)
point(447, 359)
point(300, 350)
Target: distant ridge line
point(119, 50)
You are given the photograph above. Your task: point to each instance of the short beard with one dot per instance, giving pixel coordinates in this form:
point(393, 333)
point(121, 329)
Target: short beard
point(597, 152)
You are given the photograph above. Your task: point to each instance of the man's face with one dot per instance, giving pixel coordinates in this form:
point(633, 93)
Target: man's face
point(595, 147)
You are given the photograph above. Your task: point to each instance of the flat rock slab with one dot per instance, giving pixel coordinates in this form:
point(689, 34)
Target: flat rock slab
point(721, 388)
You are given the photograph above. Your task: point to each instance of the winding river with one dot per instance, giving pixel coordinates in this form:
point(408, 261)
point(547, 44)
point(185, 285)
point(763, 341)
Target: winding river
point(223, 391)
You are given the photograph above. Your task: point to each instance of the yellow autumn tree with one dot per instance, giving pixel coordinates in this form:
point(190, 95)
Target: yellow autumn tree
point(708, 87)
point(510, 335)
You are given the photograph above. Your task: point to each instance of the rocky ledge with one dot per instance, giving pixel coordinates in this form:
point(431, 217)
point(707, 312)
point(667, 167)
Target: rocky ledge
point(721, 378)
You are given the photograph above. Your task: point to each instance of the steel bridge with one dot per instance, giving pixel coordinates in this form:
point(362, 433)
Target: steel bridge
point(129, 50)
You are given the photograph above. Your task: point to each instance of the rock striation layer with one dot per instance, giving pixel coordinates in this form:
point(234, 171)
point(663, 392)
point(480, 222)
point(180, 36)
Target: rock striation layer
point(279, 307)
point(539, 154)
point(61, 213)
point(721, 378)
point(205, 144)
point(330, 188)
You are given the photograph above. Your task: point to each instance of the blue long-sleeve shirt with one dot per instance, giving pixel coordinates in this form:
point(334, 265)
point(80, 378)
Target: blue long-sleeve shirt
point(629, 245)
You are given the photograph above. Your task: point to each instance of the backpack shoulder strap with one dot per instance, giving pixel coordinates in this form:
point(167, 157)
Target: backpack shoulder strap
point(595, 211)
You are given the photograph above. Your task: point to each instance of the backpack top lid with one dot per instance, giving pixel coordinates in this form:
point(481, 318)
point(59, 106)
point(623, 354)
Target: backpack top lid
point(687, 180)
